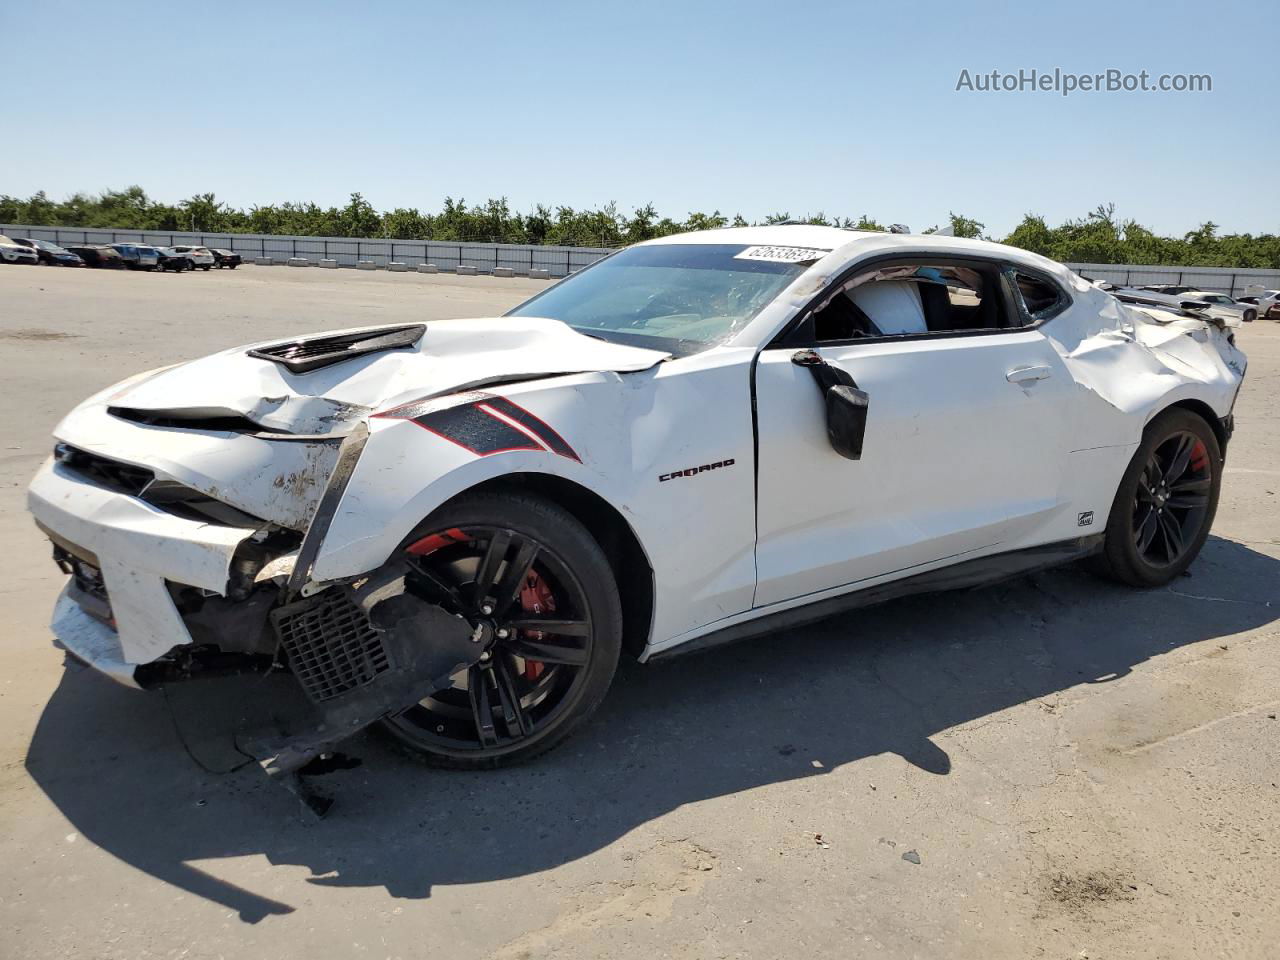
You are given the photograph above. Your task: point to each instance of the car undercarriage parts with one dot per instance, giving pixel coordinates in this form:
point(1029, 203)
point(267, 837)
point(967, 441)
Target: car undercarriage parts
point(846, 405)
point(362, 652)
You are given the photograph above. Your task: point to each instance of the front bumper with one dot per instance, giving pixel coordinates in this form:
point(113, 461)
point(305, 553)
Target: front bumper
point(89, 640)
point(139, 550)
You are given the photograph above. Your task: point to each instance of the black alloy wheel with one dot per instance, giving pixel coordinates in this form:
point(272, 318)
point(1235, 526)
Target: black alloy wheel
point(537, 591)
point(1171, 498)
point(1166, 501)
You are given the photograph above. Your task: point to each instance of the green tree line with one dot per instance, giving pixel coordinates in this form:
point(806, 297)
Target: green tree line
point(1098, 237)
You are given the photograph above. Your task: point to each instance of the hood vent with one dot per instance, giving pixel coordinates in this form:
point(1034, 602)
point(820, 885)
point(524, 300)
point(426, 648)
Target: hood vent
point(314, 353)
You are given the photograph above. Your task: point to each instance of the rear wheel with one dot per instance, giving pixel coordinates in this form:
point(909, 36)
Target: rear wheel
point(1166, 501)
point(540, 592)
point(1250, 316)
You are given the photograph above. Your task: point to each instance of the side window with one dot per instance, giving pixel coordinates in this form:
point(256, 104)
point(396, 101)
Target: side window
point(912, 300)
point(1041, 298)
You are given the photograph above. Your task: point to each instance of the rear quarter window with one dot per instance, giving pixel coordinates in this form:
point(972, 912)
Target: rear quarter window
point(1040, 298)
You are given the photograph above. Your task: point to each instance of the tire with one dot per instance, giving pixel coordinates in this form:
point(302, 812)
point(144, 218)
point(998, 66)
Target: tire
point(1167, 499)
point(232, 266)
point(531, 705)
point(188, 264)
point(1250, 316)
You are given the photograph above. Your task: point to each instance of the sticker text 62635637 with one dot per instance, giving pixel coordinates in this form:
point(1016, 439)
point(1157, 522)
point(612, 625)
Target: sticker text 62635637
point(782, 254)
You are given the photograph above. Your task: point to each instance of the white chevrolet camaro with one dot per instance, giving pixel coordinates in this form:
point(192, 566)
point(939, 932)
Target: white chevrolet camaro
point(456, 528)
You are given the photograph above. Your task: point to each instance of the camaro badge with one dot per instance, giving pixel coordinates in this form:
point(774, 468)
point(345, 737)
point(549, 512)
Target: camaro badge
point(694, 471)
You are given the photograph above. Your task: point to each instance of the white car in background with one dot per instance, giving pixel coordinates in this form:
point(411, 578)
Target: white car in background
point(1219, 304)
point(11, 252)
point(455, 528)
point(201, 258)
point(1268, 304)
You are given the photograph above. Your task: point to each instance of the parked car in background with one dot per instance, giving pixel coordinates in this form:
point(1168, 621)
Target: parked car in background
point(1221, 306)
point(99, 255)
point(171, 260)
point(226, 258)
point(1248, 312)
point(199, 256)
point(137, 256)
point(1268, 304)
point(1166, 288)
point(50, 253)
point(13, 252)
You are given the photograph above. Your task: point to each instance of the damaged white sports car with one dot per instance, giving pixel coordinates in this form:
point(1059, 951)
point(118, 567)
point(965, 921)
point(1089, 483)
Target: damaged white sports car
point(455, 528)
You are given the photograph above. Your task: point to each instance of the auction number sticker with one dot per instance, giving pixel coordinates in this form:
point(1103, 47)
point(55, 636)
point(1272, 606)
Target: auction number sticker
point(781, 254)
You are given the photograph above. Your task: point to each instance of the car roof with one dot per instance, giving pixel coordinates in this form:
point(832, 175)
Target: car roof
point(861, 243)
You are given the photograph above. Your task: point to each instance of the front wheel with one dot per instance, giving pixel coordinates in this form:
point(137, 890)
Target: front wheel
point(1250, 316)
point(1166, 501)
point(540, 593)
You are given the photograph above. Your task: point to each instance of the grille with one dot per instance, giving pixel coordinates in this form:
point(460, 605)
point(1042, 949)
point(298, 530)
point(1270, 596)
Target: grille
point(112, 474)
point(332, 647)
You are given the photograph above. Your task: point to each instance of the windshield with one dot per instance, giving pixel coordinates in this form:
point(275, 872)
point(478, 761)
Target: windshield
point(676, 297)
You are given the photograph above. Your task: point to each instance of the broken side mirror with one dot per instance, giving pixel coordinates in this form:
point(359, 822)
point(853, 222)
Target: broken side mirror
point(846, 420)
point(845, 404)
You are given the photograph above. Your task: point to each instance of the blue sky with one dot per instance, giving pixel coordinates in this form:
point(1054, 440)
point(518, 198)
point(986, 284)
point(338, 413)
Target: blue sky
point(750, 107)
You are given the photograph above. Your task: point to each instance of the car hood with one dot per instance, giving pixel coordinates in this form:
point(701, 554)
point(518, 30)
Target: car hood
point(251, 433)
point(451, 355)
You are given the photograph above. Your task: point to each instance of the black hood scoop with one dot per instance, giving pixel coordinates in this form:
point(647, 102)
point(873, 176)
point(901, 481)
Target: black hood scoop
point(315, 353)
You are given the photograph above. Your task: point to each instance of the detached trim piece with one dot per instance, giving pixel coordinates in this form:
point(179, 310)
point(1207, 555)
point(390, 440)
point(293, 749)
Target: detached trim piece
point(314, 353)
point(348, 456)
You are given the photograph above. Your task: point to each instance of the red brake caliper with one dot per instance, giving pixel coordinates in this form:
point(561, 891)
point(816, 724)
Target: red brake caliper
point(536, 598)
point(1199, 456)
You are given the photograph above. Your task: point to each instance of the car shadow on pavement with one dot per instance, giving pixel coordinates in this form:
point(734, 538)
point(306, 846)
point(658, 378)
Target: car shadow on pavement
point(119, 764)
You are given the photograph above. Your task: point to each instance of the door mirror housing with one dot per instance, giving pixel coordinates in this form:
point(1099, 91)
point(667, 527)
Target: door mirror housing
point(846, 420)
point(846, 405)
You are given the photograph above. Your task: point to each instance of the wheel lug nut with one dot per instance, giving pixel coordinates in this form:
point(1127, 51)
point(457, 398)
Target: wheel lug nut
point(487, 609)
point(503, 633)
point(485, 655)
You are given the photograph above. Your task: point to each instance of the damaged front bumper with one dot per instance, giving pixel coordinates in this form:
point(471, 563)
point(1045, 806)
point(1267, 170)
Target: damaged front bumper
point(139, 551)
point(155, 596)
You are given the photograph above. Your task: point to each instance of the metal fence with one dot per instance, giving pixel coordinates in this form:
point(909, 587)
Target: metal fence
point(558, 261)
point(1229, 280)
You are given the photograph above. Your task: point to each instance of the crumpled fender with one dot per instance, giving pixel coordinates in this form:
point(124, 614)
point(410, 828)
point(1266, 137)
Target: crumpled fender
point(624, 433)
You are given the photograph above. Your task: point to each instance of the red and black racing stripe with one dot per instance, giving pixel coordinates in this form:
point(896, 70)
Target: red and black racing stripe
point(552, 440)
point(491, 424)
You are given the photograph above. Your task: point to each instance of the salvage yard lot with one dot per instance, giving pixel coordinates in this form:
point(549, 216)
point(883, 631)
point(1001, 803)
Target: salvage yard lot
point(1036, 769)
